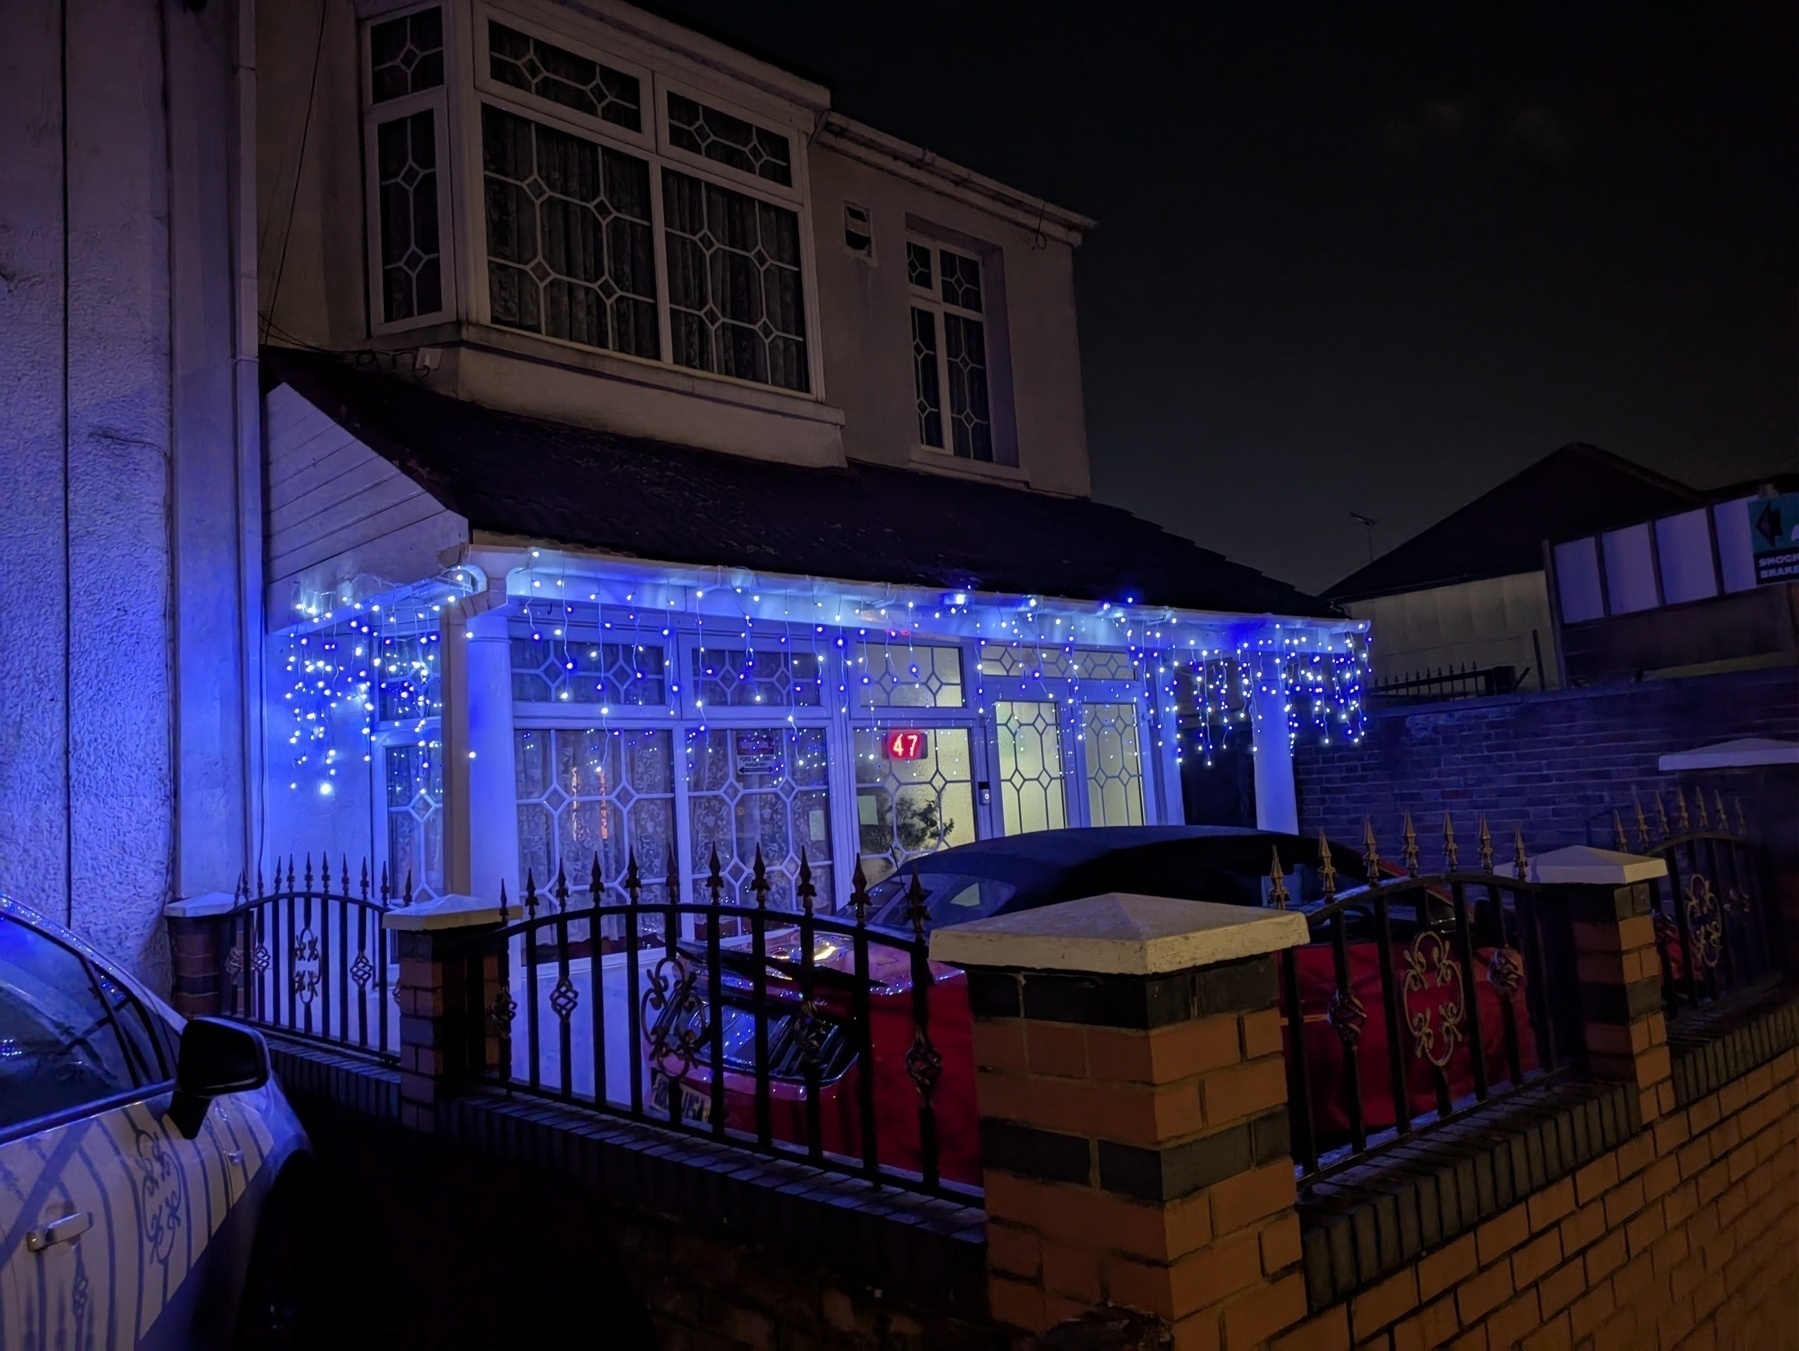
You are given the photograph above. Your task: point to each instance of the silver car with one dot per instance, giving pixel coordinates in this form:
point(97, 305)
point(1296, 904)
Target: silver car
point(153, 1180)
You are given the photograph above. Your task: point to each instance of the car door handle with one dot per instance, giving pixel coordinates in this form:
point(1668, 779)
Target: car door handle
point(65, 1230)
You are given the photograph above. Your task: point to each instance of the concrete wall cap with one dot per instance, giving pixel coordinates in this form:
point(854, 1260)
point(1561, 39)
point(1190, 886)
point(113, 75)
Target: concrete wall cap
point(1120, 934)
point(446, 912)
point(201, 906)
point(1583, 865)
point(1743, 753)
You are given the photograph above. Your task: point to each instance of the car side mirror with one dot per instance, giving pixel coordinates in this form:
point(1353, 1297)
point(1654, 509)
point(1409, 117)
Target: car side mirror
point(216, 1057)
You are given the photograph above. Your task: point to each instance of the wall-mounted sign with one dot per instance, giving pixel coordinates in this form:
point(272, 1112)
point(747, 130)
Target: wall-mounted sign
point(1774, 537)
point(906, 745)
point(759, 750)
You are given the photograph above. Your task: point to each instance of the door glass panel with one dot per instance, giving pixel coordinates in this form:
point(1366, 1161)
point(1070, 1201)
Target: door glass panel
point(415, 845)
point(1114, 765)
point(1029, 736)
point(595, 794)
point(913, 797)
point(760, 787)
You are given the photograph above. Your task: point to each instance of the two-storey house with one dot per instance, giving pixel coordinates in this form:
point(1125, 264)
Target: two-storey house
point(659, 463)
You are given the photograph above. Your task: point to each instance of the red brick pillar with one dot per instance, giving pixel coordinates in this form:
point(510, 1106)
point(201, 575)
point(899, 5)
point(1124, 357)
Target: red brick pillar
point(1133, 1101)
point(1605, 895)
point(196, 985)
point(445, 1039)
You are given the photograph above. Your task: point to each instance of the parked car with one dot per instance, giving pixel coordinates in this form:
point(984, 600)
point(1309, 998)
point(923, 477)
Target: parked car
point(152, 1176)
point(1024, 872)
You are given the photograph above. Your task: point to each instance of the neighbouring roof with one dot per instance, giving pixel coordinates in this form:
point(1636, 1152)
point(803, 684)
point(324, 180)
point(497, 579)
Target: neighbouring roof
point(1577, 490)
point(575, 486)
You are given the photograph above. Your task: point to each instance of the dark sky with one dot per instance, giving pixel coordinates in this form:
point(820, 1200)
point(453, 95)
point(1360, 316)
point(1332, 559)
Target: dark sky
point(1373, 257)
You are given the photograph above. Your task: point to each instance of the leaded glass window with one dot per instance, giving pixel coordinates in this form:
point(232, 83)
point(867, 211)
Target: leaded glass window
point(1036, 662)
point(951, 368)
point(406, 186)
point(413, 776)
point(592, 794)
point(555, 668)
point(569, 241)
point(735, 301)
point(729, 140)
point(408, 685)
point(560, 76)
point(1029, 739)
point(1114, 763)
point(913, 806)
point(765, 788)
point(902, 675)
point(741, 677)
point(406, 55)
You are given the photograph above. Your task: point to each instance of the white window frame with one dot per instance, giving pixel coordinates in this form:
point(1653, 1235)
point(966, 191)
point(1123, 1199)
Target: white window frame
point(472, 86)
point(374, 115)
point(931, 299)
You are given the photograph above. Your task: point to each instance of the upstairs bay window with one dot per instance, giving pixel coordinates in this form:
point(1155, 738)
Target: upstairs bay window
point(613, 210)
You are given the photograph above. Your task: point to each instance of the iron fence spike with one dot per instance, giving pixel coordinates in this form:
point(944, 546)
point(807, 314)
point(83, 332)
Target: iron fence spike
point(859, 892)
point(596, 880)
point(1410, 852)
point(1723, 816)
point(1742, 821)
point(1636, 799)
point(1618, 829)
point(1680, 809)
point(1370, 852)
point(915, 908)
point(804, 889)
point(1327, 871)
point(1520, 860)
point(1452, 853)
point(1485, 852)
point(1661, 814)
point(1277, 890)
point(759, 882)
point(1705, 820)
point(504, 914)
point(407, 898)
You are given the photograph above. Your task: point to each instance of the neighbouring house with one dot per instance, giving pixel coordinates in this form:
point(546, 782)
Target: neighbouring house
point(660, 464)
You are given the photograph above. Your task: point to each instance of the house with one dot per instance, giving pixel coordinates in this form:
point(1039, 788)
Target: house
point(707, 475)
point(1499, 594)
point(492, 437)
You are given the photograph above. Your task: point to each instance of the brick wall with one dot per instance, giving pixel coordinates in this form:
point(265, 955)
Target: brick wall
point(1556, 763)
point(1685, 1235)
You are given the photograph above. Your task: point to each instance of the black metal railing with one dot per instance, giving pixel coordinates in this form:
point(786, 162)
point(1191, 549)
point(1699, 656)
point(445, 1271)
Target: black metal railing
point(1419, 997)
point(791, 1033)
point(309, 956)
point(1714, 924)
point(1450, 682)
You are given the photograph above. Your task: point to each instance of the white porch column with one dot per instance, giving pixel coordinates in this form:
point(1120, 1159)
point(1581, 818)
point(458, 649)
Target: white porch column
point(480, 797)
point(1277, 805)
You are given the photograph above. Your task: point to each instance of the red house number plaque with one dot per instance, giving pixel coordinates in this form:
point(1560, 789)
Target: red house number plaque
point(906, 745)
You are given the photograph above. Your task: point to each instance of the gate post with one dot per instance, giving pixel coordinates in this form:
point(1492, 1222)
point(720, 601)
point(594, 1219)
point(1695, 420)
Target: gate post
point(1133, 1102)
point(195, 953)
point(443, 1031)
point(1605, 895)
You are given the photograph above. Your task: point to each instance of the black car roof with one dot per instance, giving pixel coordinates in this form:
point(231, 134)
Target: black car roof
point(1042, 856)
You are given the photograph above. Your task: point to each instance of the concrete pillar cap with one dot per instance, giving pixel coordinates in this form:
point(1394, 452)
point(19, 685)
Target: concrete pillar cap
point(206, 904)
point(1583, 865)
point(1120, 934)
point(452, 911)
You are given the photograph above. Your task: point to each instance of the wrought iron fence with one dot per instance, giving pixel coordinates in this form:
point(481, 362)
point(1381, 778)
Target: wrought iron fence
point(310, 957)
point(1463, 682)
point(1420, 996)
point(1713, 925)
point(791, 1033)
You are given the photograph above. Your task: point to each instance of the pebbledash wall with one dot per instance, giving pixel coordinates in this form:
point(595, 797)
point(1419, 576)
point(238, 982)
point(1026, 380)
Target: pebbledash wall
point(1556, 763)
point(123, 369)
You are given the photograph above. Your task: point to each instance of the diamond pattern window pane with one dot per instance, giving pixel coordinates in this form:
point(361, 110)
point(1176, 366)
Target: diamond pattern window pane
point(1114, 764)
point(970, 419)
point(408, 685)
point(898, 675)
point(905, 808)
point(760, 787)
point(737, 677)
point(560, 76)
point(548, 669)
point(1026, 661)
point(569, 241)
point(413, 777)
point(961, 280)
point(924, 377)
point(406, 184)
point(735, 300)
point(596, 793)
point(918, 265)
point(729, 140)
point(406, 55)
point(1029, 735)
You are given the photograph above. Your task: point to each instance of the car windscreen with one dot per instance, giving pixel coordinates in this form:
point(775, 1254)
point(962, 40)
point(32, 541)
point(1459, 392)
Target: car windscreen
point(950, 898)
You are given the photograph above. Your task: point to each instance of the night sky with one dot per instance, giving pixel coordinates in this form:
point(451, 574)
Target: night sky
point(1373, 257)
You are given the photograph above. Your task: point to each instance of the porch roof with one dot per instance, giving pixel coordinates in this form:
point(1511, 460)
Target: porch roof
point(575, 486)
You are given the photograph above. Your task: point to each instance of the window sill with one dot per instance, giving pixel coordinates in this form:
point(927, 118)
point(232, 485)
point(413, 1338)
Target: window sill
point(942, 462)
